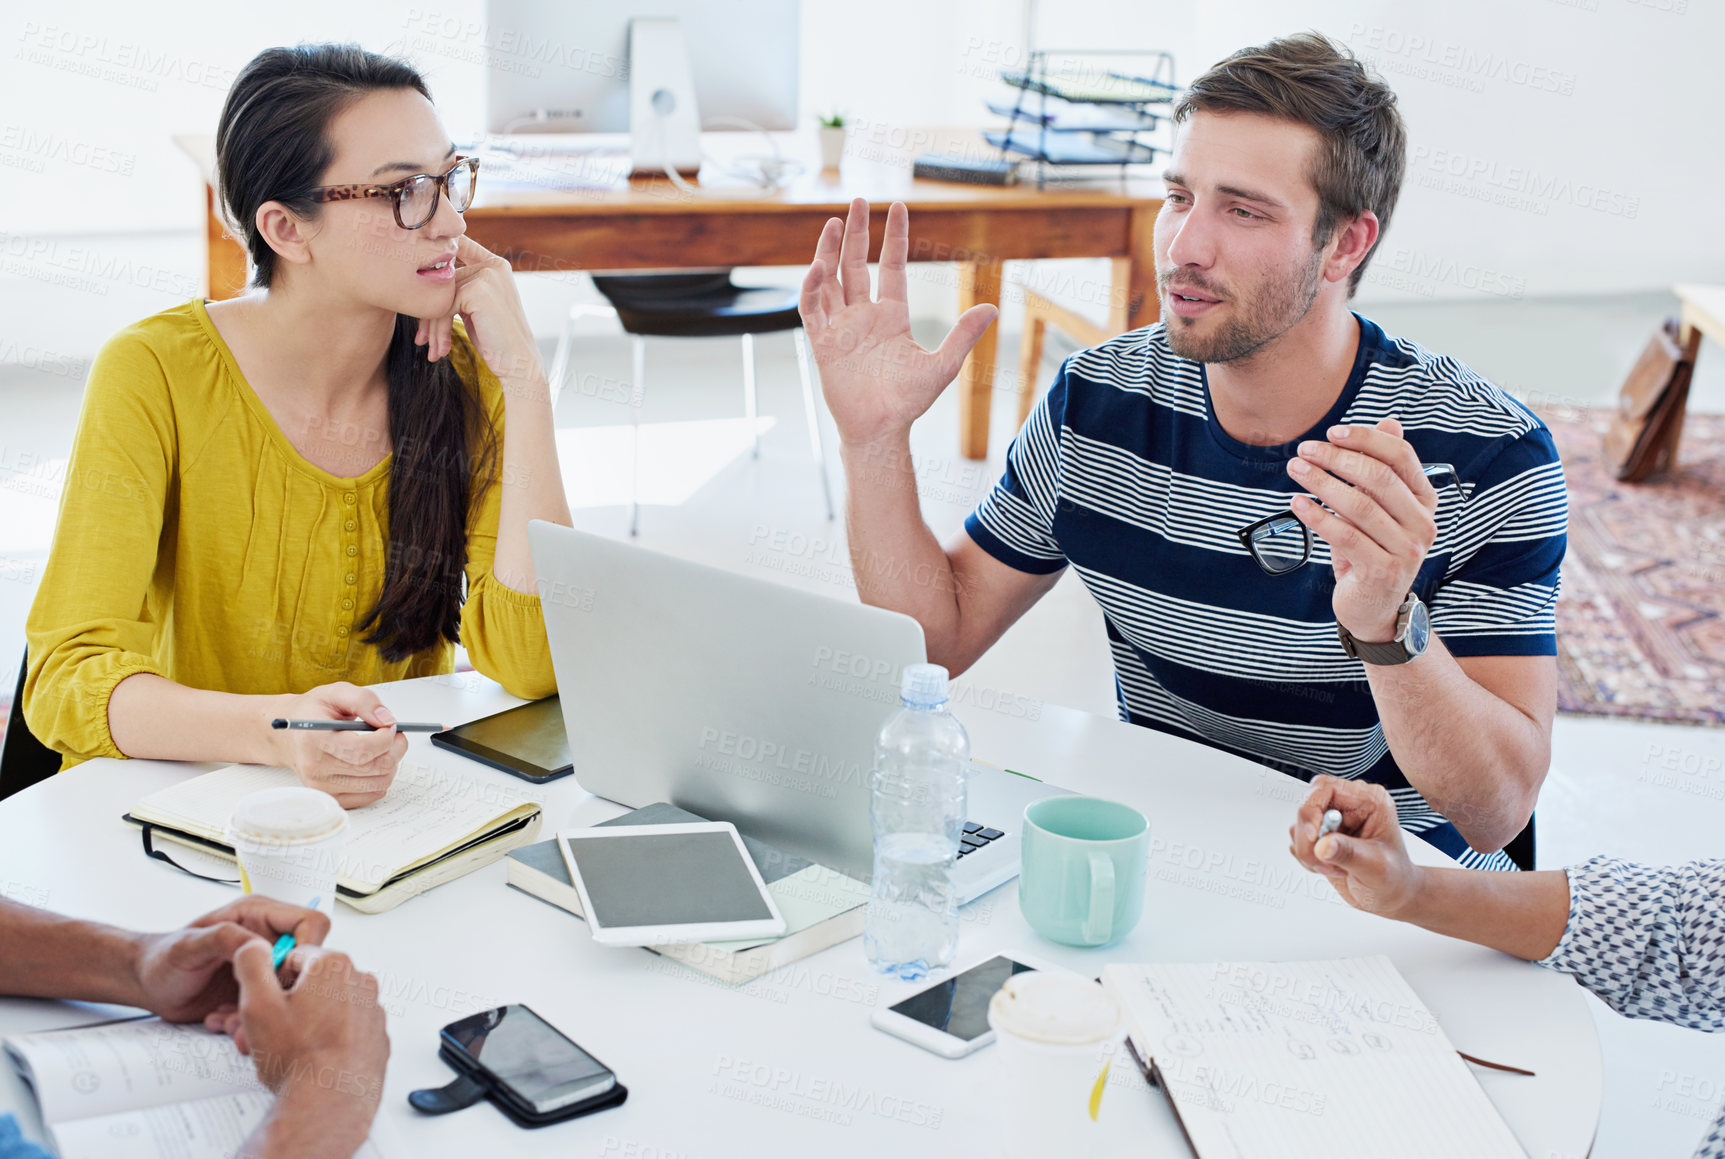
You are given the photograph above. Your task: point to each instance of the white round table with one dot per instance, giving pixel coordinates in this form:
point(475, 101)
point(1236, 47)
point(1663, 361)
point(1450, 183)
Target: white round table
point(788, 1064)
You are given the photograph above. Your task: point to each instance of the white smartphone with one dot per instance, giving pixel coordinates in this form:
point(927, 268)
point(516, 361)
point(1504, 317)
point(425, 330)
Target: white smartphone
point(647, 885)
point(950, 1017)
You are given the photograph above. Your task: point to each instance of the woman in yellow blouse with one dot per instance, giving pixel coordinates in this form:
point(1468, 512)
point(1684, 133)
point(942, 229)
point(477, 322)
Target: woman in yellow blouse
point(274, 500)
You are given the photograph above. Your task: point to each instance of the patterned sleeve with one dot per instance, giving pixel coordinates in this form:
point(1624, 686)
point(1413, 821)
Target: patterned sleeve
point(1499, 595)
point(1649, 941)
point(1015, 522)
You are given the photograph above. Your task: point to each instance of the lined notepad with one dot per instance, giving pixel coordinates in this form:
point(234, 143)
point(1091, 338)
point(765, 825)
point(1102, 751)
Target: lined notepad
point(1334, 1060)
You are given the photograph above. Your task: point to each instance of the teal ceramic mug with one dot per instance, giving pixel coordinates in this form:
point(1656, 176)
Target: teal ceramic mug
point(1082, 878)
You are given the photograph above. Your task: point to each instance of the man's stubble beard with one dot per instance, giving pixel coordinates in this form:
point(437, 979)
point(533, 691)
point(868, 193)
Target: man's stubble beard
point(1266, 316)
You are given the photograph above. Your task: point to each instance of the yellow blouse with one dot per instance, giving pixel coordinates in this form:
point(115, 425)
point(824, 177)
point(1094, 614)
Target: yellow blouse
point(195, 542)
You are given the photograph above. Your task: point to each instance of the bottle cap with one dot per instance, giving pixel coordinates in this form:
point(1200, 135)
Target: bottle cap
point(923, 685)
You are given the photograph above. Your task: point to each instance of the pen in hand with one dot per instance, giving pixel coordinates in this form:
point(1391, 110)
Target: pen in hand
point(354, 725)
point(1332, 821)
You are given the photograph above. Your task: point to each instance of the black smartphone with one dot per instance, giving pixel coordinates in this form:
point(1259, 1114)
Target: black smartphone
point(531, 1063)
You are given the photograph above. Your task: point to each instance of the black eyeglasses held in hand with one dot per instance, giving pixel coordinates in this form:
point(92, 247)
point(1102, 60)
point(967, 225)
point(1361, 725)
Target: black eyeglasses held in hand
point(1280, 543)
point(415, 197)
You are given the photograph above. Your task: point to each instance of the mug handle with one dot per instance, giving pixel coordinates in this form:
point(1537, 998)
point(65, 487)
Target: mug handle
point(1100, 924)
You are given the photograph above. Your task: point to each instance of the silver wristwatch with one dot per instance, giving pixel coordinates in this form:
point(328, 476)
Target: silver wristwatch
point(1413, 633)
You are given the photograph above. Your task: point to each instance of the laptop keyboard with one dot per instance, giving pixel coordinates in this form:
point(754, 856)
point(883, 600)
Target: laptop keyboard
point(976, 836)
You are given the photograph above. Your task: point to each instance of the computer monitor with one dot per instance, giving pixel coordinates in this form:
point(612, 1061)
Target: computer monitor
point(660, 70)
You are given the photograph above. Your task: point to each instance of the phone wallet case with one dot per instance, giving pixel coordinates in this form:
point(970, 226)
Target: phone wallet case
point(472, 1085)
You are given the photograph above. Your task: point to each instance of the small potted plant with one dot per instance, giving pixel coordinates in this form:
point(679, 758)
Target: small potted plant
point(832, 140)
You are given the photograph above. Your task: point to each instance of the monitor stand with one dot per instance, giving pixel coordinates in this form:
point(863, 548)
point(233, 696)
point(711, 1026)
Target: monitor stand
point(664, 124)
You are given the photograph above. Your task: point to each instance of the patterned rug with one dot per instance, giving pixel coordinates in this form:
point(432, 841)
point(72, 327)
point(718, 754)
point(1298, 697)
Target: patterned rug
point(1641, 622)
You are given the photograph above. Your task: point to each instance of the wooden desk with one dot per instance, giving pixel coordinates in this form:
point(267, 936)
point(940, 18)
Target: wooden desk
point(1703, 311)
point(1703, 314)
point(644, 225)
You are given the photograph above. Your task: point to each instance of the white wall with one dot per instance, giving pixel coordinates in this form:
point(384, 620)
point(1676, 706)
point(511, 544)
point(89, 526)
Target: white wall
point(92, 93)
point(1557, 146)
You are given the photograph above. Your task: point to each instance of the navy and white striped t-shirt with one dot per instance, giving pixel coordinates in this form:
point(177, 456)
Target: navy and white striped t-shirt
point(1123, 471)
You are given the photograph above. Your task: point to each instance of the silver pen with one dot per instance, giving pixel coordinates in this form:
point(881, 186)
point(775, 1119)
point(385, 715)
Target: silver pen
point(354, 725)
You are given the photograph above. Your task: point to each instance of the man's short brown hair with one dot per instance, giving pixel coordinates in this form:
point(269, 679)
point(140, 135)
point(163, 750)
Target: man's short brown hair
point(1310, 80)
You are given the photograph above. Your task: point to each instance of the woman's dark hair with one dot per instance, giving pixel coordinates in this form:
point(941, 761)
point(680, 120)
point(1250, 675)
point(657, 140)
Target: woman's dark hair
point(272, 145)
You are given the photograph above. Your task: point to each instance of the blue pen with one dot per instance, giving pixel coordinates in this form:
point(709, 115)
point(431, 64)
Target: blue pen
point(284, 947)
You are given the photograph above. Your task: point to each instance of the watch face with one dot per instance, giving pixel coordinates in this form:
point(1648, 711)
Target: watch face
point(1419, 632)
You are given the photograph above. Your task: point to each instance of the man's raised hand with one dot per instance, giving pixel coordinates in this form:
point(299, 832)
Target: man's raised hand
point(876, 379)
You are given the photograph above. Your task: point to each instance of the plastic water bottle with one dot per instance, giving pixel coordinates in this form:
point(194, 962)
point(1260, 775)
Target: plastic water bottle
point(921, 760)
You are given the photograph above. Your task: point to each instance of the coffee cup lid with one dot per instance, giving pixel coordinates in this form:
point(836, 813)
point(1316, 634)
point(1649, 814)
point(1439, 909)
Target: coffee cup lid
point(1054, 1008)
point(288, 814)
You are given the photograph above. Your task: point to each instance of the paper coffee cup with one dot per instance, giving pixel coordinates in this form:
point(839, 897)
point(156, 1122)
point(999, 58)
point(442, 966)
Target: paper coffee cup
point(289, 844)
point(1055, 1038)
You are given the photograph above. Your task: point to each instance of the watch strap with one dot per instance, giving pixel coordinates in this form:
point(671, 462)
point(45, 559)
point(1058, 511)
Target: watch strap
point(1393, 652)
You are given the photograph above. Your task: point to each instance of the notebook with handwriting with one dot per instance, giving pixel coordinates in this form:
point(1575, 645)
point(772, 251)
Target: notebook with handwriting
point(430, 827)
point(1334, 1060)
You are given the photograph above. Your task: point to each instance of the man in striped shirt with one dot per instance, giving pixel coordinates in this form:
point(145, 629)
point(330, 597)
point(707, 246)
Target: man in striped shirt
point(1415, 647)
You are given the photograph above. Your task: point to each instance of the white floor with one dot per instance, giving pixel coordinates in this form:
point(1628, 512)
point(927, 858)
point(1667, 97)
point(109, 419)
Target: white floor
point(1642, 791)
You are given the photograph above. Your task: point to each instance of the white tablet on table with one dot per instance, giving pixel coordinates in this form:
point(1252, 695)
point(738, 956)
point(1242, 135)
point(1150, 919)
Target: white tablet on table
point(649, 885)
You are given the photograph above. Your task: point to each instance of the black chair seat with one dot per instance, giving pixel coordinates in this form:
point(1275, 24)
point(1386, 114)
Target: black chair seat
point(24, 760)
point(703, 305)
point(1523, 847)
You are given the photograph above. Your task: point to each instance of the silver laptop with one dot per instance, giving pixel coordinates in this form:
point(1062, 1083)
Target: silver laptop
point(742, 700)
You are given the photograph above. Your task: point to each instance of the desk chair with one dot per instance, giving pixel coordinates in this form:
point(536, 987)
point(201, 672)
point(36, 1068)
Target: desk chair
point(1039, 314)
point(1072, 296)
point(696, 305)
point(1521, 847)
point(24, 760)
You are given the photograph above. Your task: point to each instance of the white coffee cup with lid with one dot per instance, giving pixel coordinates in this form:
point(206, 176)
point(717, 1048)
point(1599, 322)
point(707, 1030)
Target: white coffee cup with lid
point(289, 843)
point(1055, 1038)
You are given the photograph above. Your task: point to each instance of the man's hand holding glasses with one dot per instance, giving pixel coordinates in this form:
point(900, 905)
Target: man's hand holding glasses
point(1375, 504)
point(1380, 523)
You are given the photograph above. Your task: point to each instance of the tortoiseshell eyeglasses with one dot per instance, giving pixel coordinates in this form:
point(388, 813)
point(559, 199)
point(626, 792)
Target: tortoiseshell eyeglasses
point(415, 197)
point(1280, 543)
